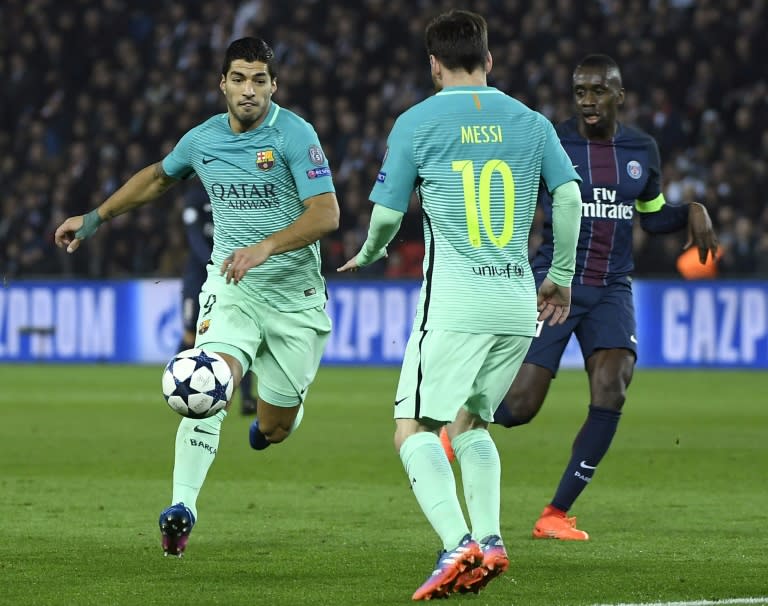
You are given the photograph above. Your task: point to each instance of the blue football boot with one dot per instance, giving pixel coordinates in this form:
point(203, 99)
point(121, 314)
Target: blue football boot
point(176, 523)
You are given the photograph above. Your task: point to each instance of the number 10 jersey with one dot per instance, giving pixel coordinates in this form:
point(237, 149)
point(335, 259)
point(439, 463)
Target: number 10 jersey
point(476, 158)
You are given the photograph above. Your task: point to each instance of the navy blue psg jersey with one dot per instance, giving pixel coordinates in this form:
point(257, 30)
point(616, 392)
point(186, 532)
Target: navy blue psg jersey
point(616, 176)
point(198, 222)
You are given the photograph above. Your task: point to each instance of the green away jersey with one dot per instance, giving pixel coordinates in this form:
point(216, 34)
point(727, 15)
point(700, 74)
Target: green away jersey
point(476, 158)
point(257, 181)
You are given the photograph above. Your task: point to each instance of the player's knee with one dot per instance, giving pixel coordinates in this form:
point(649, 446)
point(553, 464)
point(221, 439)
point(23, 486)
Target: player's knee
point(521, 408)
point(609, 392)
point(275, 432)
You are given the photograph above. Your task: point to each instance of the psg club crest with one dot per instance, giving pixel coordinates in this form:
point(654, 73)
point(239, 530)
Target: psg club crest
point(203, 328)
point(265, 159)
point(634, 169)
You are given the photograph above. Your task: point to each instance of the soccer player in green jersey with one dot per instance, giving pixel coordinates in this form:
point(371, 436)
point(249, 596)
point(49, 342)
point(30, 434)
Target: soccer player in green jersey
point(476, 158)
point(263, 302)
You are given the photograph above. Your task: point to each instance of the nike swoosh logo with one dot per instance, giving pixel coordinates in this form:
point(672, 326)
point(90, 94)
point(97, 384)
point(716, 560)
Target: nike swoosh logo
point(198, 430)
point(632, 338)
point(585, 466)
point(400, 400)
point(208, 160)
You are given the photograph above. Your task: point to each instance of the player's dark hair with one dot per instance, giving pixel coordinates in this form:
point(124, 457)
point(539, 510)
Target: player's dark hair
point(458, 39)
point(601, 62)
point(250, 49)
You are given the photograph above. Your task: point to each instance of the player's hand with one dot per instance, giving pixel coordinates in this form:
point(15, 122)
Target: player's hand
point(65, 234)
point(76, 229)
point(701, 233)
point(241, 260)
point(363, 259)
point(350, 265)
point(553, 302)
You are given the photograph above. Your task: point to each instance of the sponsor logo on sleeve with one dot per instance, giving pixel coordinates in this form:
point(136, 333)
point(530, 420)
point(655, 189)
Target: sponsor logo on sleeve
point(381, 176)
point(265, 159)
point(322, 171)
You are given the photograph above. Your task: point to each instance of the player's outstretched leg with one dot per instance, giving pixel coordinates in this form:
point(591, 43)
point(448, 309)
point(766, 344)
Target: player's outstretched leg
point(495, 562)
point(450, 564)
point(553, 523)
point(176, 523)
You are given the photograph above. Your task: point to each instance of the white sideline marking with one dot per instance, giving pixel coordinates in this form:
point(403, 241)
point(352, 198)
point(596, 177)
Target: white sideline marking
point(763, 600)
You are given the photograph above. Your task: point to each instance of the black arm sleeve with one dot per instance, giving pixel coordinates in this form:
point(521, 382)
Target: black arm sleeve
point(666, 220)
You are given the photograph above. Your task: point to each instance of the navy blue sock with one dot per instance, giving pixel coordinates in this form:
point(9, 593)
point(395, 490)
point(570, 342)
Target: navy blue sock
point(589, 447)
point(503, 417)
point(246, 387)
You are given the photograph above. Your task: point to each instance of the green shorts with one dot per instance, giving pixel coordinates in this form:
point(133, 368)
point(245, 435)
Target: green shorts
point(283, 349)
point(444, 370)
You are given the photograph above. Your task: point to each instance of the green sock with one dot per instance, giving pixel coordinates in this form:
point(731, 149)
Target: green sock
point(481, 475)
point(197, 441)
point(433, 484)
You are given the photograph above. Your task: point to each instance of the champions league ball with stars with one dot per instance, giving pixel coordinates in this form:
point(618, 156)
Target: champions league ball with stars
point(197, 383)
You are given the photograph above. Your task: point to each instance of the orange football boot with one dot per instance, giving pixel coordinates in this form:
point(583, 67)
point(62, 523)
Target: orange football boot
point(554, 524)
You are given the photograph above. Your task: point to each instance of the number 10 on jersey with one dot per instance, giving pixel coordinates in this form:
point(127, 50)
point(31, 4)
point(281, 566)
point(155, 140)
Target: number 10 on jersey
point(477, 196)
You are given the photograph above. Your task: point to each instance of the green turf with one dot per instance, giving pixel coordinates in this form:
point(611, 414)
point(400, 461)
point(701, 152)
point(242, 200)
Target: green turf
point(677, 510)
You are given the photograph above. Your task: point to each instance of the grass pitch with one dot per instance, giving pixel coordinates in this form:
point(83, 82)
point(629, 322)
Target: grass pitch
point(677, 510)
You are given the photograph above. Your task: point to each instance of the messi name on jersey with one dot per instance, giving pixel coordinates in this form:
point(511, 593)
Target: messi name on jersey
point(481, 133)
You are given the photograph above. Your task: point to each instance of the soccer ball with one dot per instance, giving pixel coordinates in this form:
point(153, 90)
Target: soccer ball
point(197, 383)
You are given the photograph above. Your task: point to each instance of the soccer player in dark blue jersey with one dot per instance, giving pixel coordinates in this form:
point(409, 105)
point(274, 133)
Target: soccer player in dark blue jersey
point(198, 225)
point(621, 175)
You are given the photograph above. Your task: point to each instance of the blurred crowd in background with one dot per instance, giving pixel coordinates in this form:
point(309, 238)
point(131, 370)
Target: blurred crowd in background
point(94, 90)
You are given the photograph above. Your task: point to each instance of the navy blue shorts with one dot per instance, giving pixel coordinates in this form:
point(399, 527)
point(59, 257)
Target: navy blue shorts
point(602, 317)
point(191, 283)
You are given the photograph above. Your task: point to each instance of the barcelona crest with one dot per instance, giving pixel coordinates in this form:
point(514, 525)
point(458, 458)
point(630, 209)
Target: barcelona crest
point(203, 328)
point(265, 159)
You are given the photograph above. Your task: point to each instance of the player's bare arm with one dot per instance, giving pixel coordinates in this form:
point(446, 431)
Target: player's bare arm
point(701, 234)
point(146, 185)
point(693, 217)
point(320, 218)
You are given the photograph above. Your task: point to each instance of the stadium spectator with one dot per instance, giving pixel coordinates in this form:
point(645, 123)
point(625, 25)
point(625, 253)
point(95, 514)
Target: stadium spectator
point(71, 70)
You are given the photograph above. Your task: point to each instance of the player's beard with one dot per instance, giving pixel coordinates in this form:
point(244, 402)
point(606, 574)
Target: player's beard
point(248, 119)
